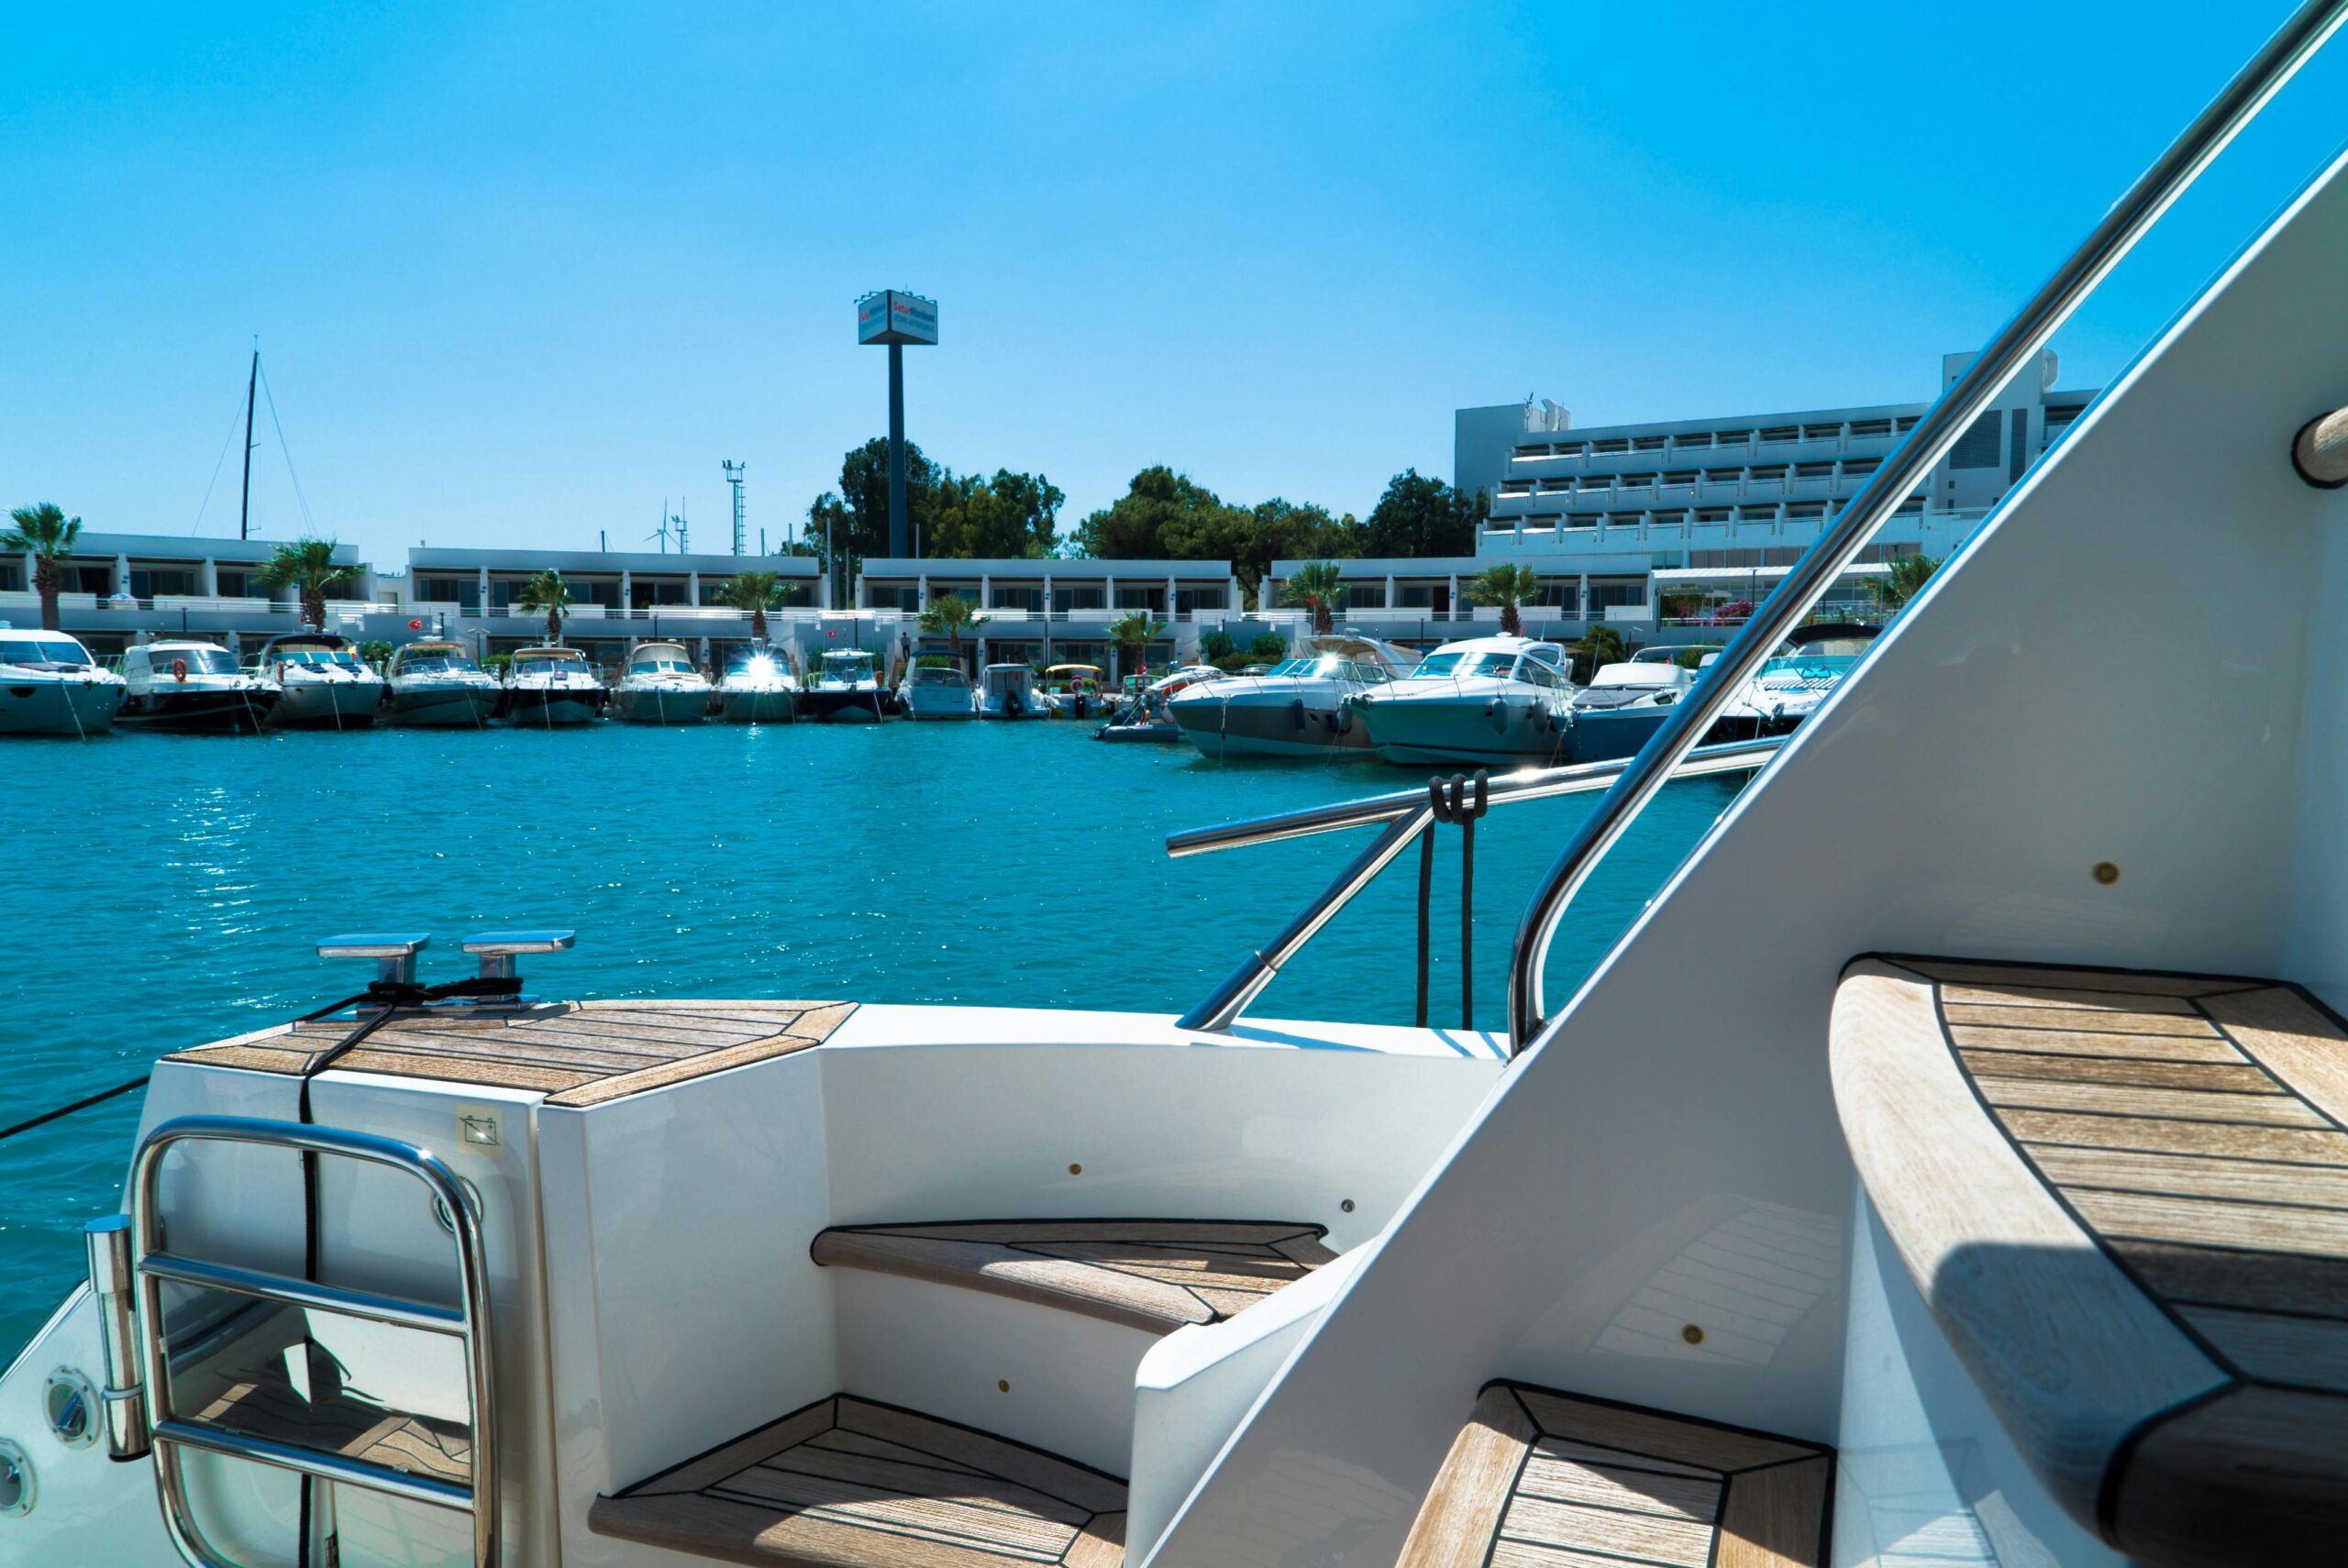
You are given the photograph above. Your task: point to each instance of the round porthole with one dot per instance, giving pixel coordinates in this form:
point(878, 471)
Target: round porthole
point(16, 1481)
point(473, 1203)
point(72, 1404)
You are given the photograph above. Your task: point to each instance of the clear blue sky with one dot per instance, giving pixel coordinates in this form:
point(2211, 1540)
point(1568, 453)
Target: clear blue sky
point(520, 271)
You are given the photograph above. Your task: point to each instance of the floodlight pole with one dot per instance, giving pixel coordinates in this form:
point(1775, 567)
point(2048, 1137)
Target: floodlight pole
point(897, 531)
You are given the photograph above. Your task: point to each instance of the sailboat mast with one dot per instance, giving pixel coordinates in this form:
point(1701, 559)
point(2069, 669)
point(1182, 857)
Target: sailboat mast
point(245, 509)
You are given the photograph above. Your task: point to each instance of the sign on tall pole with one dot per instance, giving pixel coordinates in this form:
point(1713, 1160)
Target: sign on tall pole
point(896, 319)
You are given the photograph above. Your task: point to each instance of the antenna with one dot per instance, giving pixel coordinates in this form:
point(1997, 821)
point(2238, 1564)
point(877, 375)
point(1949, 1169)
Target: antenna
point(679, 520)
point(661, 533)
point(734, 472)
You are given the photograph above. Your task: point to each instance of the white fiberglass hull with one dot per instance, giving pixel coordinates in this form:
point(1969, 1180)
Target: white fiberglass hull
point(662, 704)
point(775, 706)
point(328, 705)
point(52, 707)
point(1498, 727)
point(844, 704)
point(949, 703)
point(1286, 719)
point(442, 704)
point(543, 708)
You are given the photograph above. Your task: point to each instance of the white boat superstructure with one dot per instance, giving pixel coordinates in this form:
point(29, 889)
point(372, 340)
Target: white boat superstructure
point(757, 688)
point(846, 689)
point(550, 687)
point(50, 686)
point(433, 683)
point(1944, 1165)
point(1008, 691)
point(180, 684)
point(1501, 702)
point(1807, 668)
point(325, 685)
point(1301, 707)
point(659, 684)
point(935, 691)
point(1624, 703)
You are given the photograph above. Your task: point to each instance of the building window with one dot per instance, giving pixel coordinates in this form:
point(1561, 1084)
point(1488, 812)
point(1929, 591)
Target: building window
point(1977, 447)
point(1190, 600)
point(235, 584)
point(2018, 449)
point(1781, 432)
point(148, 582)
point(1365, 596)
point(98, 580)
point(1647, 443)
point(1150, 599)
point(1066, 599)
point(604, 592)
point(1605, 596)
point(1821, 432)
point(12, 576)
point(1862, 429)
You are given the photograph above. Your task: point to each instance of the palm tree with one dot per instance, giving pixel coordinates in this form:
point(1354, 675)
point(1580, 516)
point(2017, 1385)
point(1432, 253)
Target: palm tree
point(1136, 632)
point(546, 591)
point(952, 615)
point(48, 536)
point(309, 566)
point(1316, 586)
point(1904, 579)
point(1507, 586)
point(756, 591)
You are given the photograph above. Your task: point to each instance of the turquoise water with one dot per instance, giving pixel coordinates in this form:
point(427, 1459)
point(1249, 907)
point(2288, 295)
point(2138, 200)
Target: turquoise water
point(167, 889)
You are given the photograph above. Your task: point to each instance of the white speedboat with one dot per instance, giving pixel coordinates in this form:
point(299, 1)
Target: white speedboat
point(1486, 701)
point(549, 687)
point(50, 686)
point(1807, 668)
point(1944, 1165)
point(435, 684)
point(659, 684)
point(1141, 715)
point(757, 688)
point(327, 686)
point(1008, 691)
point(1300, 707)
point(1624, 703)
point(935, 691)
point(1073, 691)
point(177, 684)
point(847, 690)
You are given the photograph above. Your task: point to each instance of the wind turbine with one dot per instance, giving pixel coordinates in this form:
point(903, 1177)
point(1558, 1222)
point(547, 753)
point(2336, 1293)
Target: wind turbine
point(661, 533)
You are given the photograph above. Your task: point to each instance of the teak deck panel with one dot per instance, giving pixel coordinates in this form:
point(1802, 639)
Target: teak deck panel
point(2125, 1198)
point(849, 1483)
point(1544, 1480)
point(581, 1053)
point(1153, 1275)
point(265, 1404)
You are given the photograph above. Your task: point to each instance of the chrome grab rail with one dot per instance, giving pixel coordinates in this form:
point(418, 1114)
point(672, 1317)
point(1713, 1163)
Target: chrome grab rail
point(1407, 814)
point(153, 1268)
point(1909, 465)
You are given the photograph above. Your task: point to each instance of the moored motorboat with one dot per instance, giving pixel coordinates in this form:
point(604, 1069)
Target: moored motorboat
point(1807, 666)
point(1008, 691)
point(177, 684)
point(1072, 691)
point(757, 688)
point(1300, 707)
point(935, 691)
point(50, 686)
point(1503, 701)
point(847, 689)
point(1624, 703)
point(549, 687)
point(326, 685)
point(1142, 716)
point(433, 683)
point(659, 684)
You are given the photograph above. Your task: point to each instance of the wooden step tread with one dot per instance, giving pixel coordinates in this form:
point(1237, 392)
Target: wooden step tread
point(581, 1053)
point(1539, 1479)
point(2125, 1198)
point(849, 1483)
point(1153, 1275)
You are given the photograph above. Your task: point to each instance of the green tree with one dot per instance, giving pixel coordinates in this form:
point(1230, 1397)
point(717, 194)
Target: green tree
point(1904, 578)
point(1599, 645)
point(1164, 515)
point(1419, 517)
point(852, 523)
point(1509, 586)
point(546, 591)
point(46, 534)
point(309, 566)
point(756, 592)
point(1012, 516)
point(1318, 588)
point(1133, 634)
point(952, 615)
point(1269, 647)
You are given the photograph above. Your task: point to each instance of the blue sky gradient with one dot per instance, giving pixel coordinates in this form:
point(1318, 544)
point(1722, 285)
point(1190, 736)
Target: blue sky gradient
point(520, 271)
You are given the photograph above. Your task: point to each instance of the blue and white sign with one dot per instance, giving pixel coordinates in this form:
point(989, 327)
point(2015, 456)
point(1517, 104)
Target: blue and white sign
point(891, 315)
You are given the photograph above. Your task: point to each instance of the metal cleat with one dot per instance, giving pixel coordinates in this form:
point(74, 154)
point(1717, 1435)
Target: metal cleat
point(394, 952)
point(497, 949)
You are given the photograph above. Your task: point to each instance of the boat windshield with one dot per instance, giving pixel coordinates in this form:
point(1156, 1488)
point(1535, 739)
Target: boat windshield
point(847, 667)
point(56, 654)
point(438, 663)
point(569, 664)
point(199, 661)
point(752, 661)
point(1797, 668)
point(931, 675)
point(324, 658)
point(662, 666)
point(1459, 665)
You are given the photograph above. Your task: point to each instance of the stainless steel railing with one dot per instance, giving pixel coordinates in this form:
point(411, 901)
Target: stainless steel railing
point(153, 1268)
point(1909, 464)
point(1406, 814)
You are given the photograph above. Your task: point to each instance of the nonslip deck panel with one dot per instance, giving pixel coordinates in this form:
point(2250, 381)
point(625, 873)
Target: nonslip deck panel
point(849, 1483)
point(1152, 1275)
point(1539, 1479)
point(580, 1054)
point(2125, 1198)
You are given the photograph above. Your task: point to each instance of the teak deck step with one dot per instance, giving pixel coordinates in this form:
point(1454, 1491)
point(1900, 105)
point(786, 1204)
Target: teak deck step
point(263, 1402)
point(1544, 1480)
point(1153, 1275)
point(581, 1053)
point(2125, 1198)
point(849, 1483)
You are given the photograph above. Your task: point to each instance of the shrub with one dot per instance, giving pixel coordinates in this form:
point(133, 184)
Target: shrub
point(1269, 648)
point(1216, 646)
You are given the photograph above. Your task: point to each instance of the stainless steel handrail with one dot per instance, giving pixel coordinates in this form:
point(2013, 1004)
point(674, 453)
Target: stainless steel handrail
point(1909, 465)
point(1406, 814)
point(152, 1268)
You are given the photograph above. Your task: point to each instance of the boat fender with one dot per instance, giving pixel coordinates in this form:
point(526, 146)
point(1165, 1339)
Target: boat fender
point(1342, 722)
point(1296, 712)
point(178, 669)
